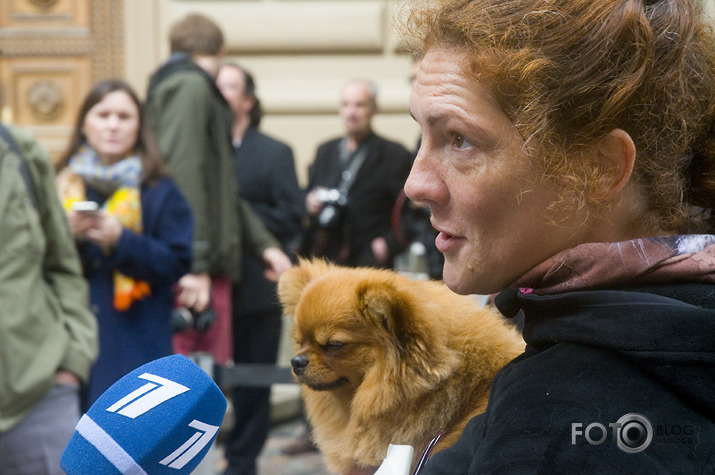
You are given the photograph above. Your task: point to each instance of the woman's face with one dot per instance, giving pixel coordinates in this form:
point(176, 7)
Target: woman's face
point(111, 127)
point(487, 201)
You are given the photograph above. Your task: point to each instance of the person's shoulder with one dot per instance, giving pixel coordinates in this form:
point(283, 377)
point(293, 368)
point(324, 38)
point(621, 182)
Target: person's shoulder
point(162, 186)
point(189, 78)
point(19, 133)
point(163, 183)
point(28, 144)
point(180, 80)
point(330, 143)
point(327, 152)
point(23, 137)
point(390, 143)
point(272, 143)
point(397, 151)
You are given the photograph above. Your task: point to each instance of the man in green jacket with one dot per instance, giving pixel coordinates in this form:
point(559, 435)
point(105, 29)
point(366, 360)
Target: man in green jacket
point(192, 123)
point(48, 336)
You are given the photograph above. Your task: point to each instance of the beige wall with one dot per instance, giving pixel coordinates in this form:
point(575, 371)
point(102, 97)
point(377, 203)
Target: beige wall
point(710, 7)
point(300, 52)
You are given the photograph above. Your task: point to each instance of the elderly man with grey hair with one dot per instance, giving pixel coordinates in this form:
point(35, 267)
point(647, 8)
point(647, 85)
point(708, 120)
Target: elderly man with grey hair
point(352, 186)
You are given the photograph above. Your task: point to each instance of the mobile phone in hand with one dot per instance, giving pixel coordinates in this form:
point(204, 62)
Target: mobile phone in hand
point(87, 207)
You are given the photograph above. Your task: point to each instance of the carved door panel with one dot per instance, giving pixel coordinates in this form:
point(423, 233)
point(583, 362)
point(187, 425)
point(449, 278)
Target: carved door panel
point(51, 52)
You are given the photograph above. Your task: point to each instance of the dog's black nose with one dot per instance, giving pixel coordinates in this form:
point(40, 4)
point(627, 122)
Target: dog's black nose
point(299, 363)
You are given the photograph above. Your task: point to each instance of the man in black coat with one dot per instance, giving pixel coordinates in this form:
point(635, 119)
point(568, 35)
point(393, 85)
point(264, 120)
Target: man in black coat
point(353, 184)
point(267, 180)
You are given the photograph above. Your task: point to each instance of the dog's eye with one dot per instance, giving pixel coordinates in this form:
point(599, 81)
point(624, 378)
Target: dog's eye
point(334, 345)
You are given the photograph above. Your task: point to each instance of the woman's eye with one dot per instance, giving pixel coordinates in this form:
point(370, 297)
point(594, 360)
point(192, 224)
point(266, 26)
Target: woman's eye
point(460, 142)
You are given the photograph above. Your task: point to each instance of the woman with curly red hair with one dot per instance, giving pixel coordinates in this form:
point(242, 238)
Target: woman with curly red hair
point(568, 159)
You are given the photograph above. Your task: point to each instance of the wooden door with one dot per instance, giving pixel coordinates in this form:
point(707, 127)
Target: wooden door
point(51, 52)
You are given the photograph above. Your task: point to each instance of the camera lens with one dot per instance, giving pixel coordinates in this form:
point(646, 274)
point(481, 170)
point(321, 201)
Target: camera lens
point(181, 319)
point(327, 216)
point(204, 320)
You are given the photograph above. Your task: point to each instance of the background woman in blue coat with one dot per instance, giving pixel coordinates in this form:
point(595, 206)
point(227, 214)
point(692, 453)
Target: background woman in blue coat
point(137, 244)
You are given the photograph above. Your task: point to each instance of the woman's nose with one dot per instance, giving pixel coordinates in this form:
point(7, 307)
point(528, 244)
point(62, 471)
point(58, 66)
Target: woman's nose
point(113, 122)
point(422, 184)
point(413, 185)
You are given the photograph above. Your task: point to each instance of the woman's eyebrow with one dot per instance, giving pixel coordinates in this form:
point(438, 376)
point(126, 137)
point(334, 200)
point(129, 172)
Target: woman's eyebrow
point(431, 120)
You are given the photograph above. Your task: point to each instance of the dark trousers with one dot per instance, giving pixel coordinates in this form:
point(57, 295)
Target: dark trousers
point(35, 445)
point(255, 340)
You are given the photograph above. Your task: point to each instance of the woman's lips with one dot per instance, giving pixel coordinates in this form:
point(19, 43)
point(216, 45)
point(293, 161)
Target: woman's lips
point(445, 241)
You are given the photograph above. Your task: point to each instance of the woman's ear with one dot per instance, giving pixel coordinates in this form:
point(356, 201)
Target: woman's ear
point(617, 155)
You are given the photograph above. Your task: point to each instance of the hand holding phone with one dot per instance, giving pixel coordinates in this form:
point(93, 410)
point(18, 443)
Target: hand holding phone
point(88, 207)
point(82, 218)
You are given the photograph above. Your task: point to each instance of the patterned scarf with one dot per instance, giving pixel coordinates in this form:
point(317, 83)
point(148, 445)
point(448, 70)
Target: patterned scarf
point(686, 258)
point(120, 182)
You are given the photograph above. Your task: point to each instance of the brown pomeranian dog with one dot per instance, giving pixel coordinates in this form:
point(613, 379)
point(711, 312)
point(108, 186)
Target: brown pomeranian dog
point(384, 359)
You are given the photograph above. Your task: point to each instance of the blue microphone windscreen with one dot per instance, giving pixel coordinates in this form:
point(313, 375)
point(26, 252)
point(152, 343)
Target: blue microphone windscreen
point(159, 419)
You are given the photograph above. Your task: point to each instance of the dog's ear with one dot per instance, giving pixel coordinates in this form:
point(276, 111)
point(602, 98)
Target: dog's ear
point(292, 282)
point(411, 346)
point(382, 303)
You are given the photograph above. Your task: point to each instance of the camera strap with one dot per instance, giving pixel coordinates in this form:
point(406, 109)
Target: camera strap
point(353, 162)
point(327, 232)
point(24, 169)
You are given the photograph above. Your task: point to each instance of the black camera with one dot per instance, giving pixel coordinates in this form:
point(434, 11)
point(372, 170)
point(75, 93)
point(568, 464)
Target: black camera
point(183, 318)
point(333, 209)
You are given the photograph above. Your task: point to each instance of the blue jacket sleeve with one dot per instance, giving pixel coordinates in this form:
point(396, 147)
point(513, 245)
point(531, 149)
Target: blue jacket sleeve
point(162, 252)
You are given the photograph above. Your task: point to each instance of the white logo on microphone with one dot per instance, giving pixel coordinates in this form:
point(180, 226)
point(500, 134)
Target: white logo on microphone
point(148, 396)
point(191, 447)
point(154, 393)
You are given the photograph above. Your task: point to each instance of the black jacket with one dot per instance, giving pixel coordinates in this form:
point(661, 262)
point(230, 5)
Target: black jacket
point(370, 199)
point(265, 171)
point(594, 359)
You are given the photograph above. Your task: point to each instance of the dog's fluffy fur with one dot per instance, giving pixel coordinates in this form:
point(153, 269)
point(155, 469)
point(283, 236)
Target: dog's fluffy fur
point(384, 359)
